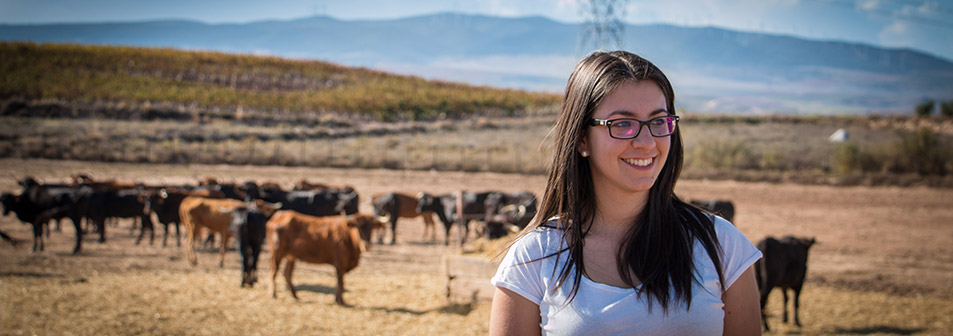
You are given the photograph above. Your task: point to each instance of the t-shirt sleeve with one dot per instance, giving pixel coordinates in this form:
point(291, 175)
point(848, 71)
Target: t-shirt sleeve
point(520, 269)
point(738, 252)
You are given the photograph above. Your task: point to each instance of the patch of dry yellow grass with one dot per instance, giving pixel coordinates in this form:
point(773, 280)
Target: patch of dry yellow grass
point(201, 302)
point(210, 303)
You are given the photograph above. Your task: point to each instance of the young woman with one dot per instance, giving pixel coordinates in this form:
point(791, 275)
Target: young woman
point(612, 250)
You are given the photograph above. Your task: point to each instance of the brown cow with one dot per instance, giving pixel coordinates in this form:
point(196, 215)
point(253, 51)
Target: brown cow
point(214, 214)
point(334, 240)
point(397, 205)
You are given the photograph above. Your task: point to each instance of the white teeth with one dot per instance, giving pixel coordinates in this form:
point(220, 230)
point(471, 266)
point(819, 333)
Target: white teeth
point(640, 163)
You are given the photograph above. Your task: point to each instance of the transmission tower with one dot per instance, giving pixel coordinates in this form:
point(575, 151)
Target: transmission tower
point(602, 26)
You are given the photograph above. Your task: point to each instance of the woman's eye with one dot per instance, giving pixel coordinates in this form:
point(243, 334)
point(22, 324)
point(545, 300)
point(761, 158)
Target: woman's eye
point(657, 121)
point(622, 124)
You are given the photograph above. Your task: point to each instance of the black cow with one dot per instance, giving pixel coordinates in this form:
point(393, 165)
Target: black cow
point(503, 223)
point(119, 204)
point(783, 265)
point(315, 202)
point(722, 208)
point(523, 201)
point(38, 204)
point(248, 227)
point(165, 204)
point(76, 197)
point(473, 207)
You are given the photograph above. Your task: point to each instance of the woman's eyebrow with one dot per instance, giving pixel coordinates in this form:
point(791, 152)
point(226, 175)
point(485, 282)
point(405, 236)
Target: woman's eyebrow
point(632, 115)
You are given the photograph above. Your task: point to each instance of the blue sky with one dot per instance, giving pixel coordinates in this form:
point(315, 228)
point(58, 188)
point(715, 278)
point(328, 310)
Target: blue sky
point(925, 25)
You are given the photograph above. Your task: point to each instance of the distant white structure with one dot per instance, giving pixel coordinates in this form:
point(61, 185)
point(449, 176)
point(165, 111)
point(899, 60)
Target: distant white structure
point(840, 135)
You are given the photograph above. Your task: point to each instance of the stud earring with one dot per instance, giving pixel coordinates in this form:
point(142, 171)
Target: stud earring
point(585, 154)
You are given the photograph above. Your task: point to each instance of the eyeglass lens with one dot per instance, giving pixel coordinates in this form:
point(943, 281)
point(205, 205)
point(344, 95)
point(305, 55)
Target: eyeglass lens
point(630, 128)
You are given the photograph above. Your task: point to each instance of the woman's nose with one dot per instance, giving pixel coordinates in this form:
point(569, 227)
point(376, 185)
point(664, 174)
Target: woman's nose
point(644, 139)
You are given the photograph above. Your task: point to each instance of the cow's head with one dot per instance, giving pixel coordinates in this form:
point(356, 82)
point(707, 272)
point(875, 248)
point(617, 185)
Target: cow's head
point(806, 242)
point(28, 182)
point(347, 201)
point(365, 225)
point(9, 202)
point(250, 191)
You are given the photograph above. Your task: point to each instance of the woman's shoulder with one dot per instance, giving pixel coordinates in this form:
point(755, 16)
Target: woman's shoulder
point(544, 238)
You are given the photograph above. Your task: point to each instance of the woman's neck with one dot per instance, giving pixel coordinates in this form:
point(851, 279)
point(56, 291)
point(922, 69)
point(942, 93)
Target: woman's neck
point(616, 212)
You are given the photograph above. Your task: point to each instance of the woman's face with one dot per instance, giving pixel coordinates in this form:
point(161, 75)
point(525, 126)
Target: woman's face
point(627, 165)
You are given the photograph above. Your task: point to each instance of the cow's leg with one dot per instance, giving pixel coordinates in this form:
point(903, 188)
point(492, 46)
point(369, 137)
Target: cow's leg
point(209, 240)
point(165, 234)
point(765, 291)
point(797, 303)
point(255, 252)
point(446, 236)
point(177, 240)
point(152, 229)
point(141, 232)
point(191, 235)
point(289, 268)
point(339, 292)
point(429, 226)
point(275, 264)
point(221, 255)
point(784, 292)
point(393, 229)
point(99, 224)
point(37, 237)
point(77, 224)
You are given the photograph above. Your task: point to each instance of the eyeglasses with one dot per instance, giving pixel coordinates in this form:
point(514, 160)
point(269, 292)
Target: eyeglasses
point(628, 128)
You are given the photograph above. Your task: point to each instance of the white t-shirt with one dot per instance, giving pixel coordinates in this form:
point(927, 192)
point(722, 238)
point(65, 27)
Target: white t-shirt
point(600, 309)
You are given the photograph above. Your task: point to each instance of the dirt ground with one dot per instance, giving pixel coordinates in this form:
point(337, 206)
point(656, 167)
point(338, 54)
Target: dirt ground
point(884, 243)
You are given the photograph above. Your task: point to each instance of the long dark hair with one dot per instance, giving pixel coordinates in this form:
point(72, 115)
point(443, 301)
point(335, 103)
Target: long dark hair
point(658, 248)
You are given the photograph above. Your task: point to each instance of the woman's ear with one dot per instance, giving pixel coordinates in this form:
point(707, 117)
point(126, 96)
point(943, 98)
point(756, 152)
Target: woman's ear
point(583, 148)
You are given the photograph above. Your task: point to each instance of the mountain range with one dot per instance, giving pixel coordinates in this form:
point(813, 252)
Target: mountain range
point(714, 70)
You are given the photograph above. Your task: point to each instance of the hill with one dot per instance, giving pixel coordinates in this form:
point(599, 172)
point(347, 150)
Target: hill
point(714, 70)
point(256, 86)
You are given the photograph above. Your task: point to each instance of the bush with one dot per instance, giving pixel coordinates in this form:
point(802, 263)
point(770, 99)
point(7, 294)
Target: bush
point(725, 154)
point(924, 109)
point(919, 152)
point(849, 158)
point(946, 109)
point(922, 152)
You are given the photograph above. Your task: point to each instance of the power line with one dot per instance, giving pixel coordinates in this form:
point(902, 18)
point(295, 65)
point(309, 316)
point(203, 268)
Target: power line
point(602, 24)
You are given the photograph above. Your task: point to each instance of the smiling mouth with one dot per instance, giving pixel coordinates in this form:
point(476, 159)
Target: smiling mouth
point(639, 162)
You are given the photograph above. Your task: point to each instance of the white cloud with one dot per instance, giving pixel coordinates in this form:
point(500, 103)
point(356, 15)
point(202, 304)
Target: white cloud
point(868, 5)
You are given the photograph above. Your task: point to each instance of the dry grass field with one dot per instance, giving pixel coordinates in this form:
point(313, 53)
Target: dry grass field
point(883, 264)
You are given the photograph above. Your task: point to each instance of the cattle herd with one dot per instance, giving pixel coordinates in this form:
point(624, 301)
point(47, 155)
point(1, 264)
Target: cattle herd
point(313, 222)
point(316, 223)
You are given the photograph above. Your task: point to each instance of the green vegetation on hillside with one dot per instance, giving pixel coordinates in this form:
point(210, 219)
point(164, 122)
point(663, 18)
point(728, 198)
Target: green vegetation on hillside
point(266, 84)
